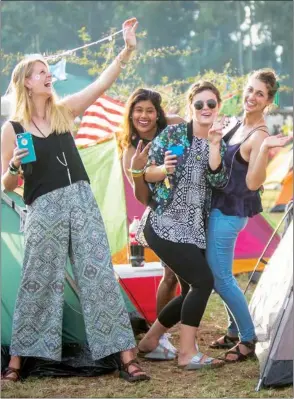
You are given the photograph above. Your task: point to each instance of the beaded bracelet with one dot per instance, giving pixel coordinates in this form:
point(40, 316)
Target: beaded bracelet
point(135, 175)
point(12, 166)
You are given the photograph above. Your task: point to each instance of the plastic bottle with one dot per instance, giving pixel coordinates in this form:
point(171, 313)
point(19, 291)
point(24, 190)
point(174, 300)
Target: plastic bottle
point(136, 254)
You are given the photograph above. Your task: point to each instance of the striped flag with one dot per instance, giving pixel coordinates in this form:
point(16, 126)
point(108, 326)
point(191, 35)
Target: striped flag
point(100, 122)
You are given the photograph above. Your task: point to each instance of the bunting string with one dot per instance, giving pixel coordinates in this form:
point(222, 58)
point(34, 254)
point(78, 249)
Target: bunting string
point(68, 52)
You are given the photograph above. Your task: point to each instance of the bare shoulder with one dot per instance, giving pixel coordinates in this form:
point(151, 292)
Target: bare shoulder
point(257, 139)
point(7, 132)
point(174, 119)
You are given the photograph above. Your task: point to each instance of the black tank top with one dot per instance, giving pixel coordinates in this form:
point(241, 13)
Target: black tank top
point(47, 173)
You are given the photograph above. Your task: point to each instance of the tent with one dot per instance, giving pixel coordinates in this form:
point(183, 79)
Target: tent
point(76, 356)
point(118, 206)
point(286, 193)
point(279, 180)
point(271, 307)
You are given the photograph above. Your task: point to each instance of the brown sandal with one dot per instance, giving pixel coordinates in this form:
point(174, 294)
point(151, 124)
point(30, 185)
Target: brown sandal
point(229, 342)
point(133, 376)
point(240, 356)
point(8, 374)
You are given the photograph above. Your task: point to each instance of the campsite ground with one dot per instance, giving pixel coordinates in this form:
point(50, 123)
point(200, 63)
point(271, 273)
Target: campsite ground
point(230, 381)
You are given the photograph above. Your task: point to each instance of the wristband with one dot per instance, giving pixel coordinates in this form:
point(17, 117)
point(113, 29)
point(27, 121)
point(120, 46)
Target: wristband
point(12, 171)
point(163, 169)
point(12, 166)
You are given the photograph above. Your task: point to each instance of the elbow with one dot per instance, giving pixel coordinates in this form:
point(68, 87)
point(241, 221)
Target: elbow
point(252, 186)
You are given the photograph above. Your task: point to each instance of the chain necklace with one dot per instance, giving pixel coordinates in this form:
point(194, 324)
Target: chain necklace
point(65, 164)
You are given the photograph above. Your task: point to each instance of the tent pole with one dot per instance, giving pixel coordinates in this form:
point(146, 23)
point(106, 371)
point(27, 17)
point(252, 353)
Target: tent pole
point(260, 259)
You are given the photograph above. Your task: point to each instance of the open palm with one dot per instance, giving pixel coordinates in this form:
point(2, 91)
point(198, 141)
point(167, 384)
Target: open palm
point(277, 141)
point(129, 33)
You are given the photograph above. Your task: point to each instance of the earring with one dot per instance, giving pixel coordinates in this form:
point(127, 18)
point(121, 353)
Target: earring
point(30, 93)
point(157, 118)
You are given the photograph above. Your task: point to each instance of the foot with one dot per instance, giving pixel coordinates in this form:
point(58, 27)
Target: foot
point(242, 351)
point(10, 374)
point(132, 372)
point(198, 360)
point(224, 342)
point(148, 344)
point(164, 340)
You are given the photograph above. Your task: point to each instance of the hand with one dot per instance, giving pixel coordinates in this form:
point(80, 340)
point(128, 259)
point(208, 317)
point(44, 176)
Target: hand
point(170, 162)
point(129, 33)
point(215, 133)
point(18, 154)
point(275, 141)
point(140, 158)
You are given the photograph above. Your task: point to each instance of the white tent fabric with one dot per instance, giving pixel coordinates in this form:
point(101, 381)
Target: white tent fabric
point(271, 309)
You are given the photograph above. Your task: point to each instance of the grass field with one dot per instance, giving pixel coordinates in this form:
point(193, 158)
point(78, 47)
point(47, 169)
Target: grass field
point(231, 381)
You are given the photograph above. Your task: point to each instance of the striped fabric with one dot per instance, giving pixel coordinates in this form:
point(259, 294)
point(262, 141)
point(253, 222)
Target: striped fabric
point(100, 122)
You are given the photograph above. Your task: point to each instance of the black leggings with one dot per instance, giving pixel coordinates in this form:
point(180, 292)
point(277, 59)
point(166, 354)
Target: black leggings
point(188, 263)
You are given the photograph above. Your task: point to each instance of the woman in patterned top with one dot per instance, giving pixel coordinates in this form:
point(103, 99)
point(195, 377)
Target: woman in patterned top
point(176, 226)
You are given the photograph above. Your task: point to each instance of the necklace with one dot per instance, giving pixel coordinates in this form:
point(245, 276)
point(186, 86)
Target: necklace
point(39, 129)
point(65, 164)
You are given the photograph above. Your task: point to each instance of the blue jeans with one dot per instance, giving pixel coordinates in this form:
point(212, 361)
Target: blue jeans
point(223, 231)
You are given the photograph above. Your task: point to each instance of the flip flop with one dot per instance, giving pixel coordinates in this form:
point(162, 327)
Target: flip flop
point(196, 364)
point(159, 353)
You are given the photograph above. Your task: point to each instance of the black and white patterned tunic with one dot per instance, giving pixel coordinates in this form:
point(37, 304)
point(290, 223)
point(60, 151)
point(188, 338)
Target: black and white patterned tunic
point(183, 221)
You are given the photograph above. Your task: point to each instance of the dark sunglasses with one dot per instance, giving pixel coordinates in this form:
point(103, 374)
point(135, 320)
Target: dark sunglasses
point(200, 104)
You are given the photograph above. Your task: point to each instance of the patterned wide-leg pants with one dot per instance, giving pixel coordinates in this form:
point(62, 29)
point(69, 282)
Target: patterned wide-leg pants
point(67, 221)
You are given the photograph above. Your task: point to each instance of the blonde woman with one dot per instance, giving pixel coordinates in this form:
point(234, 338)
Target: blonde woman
point(62, 218)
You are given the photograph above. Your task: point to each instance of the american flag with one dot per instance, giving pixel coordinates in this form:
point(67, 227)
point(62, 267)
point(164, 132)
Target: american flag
point(100, 122)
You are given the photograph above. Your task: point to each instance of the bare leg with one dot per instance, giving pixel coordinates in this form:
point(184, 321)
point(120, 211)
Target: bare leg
point(166, 290)
point(151, 338)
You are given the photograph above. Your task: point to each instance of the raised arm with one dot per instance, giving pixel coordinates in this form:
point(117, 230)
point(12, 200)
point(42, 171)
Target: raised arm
point(80, 101)
point(261, 144)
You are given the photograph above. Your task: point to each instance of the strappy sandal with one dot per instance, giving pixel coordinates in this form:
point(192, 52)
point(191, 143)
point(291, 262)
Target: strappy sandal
point(229, 342)
point(133, 376)
point(8, 374)
point(240, 356)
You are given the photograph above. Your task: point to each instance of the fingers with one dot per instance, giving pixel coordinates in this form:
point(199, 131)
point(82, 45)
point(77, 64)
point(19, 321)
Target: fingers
point(130, 23)
point(146, 149)
point(139, 147)
point(170, 160)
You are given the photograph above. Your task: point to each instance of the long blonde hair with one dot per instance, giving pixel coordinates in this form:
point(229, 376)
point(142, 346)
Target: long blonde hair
point(59, 115)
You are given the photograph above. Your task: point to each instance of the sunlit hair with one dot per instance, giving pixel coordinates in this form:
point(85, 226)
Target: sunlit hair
point(128, 129)
point(269, 78)
point(199, 87)
point(59, 115)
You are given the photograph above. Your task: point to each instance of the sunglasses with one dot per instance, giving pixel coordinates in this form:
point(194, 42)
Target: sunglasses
point(200, 104)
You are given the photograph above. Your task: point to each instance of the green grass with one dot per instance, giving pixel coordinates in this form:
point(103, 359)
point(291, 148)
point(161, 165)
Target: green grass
point(168, 381)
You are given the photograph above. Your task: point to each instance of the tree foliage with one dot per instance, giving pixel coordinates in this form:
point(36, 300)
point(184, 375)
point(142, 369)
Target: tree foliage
point(179, 41)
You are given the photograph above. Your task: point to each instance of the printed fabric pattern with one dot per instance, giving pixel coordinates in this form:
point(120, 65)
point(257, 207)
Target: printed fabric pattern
point(178, 135)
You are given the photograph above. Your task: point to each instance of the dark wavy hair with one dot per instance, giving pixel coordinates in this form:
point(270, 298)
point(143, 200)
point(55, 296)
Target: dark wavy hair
point(128, 129)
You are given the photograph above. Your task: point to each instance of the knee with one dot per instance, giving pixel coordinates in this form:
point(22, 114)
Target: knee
point(223, 283)
point(169, 278)
point(205, 282)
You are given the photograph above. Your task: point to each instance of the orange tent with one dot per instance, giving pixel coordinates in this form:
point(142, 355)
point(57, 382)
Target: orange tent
point(286, 193)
